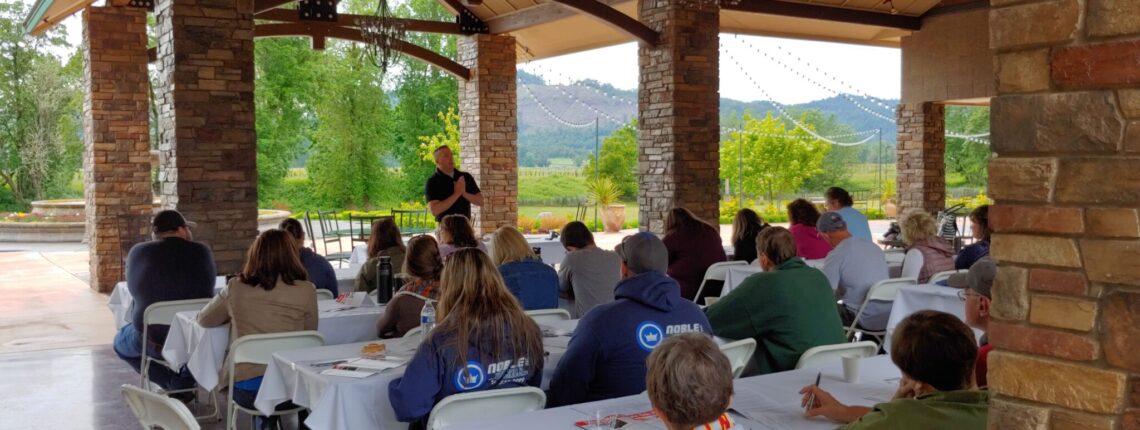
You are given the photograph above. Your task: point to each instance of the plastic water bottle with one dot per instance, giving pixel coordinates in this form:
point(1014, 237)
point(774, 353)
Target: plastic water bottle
point(427, 318)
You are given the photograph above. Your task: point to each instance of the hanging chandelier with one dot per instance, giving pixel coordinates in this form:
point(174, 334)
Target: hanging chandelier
point(383, 32)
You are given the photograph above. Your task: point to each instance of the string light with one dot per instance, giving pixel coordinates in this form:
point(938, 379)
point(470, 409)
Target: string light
point(526, 89)
point(572, 97)
point(841, 82)
point(976, 138)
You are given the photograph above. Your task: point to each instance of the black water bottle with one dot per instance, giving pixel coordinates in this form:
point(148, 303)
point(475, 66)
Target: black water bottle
point(384, 280)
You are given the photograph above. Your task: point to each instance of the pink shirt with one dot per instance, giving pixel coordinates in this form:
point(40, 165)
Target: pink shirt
point(809, 244)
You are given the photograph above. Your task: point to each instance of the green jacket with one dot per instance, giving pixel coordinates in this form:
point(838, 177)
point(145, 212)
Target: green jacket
point(787, 310)
point(951, 410)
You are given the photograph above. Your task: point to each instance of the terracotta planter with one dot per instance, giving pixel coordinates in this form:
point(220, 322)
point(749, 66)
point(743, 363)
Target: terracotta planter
point(613, 218)
point(890, 210)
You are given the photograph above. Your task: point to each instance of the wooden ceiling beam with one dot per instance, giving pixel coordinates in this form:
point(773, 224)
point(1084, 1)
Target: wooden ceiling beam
point(349, 20)
point(613, 18)
point(537, 15)
point(826, 13)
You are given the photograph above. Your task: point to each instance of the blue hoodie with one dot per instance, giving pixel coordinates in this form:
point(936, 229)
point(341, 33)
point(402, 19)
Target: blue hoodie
point(607, 353)
point(432, 375)
point(533, 282)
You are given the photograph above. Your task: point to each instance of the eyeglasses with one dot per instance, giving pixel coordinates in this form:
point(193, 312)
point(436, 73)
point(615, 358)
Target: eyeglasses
point(964, 293)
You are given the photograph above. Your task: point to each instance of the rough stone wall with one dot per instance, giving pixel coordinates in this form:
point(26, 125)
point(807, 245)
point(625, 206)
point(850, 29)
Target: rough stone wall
point(921, 166)
point(207, 143)
point(1066, 127)
point(678, 112)
point(488, 126)
point(949, 59)
point(116, 159)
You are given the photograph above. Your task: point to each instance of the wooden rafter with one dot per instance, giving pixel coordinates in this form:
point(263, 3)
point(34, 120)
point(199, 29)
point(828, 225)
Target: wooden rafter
point(349, 20)
point(614, 18)
point(264, 5)
point(321, 30)
point(536, 15)
point(826, 13)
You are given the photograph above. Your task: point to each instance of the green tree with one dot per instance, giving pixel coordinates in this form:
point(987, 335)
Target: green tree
point(838, 163)
point(287, 72)
point(618, 160)
point(449, 136)
point(965, 157)
point(775, 159)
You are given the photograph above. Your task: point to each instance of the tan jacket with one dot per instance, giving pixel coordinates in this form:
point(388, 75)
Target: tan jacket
point(253, 310)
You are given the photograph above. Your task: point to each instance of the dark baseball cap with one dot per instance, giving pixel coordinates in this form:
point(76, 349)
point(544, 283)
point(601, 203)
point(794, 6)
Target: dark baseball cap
point(829, 222)
point(643, 252)
point(979, 278)
point(168, 220)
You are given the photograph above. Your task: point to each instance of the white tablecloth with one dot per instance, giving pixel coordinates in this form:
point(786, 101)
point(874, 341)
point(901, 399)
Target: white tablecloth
point(121, 299)
point(914, 298)
point(203, 350)
point(356, 403)
point(736, 274)
point(776, 394)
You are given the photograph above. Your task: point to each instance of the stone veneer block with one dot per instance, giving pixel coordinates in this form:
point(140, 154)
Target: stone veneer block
point(1130, 102)
point(1043, 341)
point(1115, 63)
point(1112, 261)
point(1113, 222)
point(1063, 312)
point(1022, 71)
point(1011, 299)
point(1041, 250)
point(1120, 333)
point(1035, 219)
point(1081, 122)
point(1101, 181)
point(1004, 415)
point(1058, 383)
point(1055, 281)
point(1112, 17)
point(1053, 21)
point(1021, 179)
point(1067, 420)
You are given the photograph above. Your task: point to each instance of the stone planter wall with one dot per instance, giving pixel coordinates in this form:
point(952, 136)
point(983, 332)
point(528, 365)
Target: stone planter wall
point(42, 231)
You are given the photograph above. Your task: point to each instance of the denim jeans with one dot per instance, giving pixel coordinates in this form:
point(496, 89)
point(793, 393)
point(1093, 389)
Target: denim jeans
point(128, 345)
point(245, 398)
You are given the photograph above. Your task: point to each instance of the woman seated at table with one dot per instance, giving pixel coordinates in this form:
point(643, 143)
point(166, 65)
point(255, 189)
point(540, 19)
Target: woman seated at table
point(809, 244)
point(531, 281)
point(319, 270)
point(935, 352)
point(270, 295)
point(746, 225)
point(483, 341)
point(693, 246)
point(981, 231)
point(455, 232)
point(422, 268)
point(385, 241)
point(926, 253)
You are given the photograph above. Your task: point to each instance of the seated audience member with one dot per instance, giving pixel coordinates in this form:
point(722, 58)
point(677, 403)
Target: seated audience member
point(788, 308)
point(455, 232)
point(853, 267)
point(839, 200)
point(319, 270)
point(746, 225)
point(693, 246)
point(606, 354)
point(690, 383)
point(384, 241)
point(803, 216)
point(926, 253)
point(976, 286)
point(422, 268)
point(483, 341)
point(170, 267)
point(588, 274)
point(935, 352)
point(531, 281)
point(270, 295)
point(981, 231)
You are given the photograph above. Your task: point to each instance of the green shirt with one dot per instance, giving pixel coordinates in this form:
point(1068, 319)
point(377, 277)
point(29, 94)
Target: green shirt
point(951, 410)
point(787, 310)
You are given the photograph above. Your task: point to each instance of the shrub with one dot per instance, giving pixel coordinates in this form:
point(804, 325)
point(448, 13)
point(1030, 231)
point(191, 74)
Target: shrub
point(526, 224)
point(551, 222)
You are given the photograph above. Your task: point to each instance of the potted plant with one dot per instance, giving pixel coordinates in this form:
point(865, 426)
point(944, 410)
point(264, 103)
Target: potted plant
point(890, 206)
point(604, 194)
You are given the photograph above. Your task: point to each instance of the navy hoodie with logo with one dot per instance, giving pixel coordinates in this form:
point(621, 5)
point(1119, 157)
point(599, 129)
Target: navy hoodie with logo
point(433, 373)
point(607, 353)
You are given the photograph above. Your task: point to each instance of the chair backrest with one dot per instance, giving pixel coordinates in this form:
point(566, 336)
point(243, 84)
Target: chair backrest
point(887, 289)
point(415, 331)
point(739, 353)
point(323, 294)
point(542, 316)
point(163, 312)
point(308, 220)
point(715, 272)
point(259, 348)
point(503, 402)
point(942, 276)
point(831, 353)
point(156, 410)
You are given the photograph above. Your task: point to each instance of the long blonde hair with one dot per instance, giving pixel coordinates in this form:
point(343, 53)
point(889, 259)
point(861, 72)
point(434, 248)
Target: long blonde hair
point(509, 246)
point(916, 226)
point(476, 309)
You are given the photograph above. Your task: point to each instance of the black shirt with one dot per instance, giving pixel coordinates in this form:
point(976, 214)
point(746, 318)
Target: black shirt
point(440, 186)
point(167, 269)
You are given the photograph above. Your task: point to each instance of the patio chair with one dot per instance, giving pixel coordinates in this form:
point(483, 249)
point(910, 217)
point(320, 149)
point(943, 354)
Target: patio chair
point(360, 227)
point(323, 294)
point(883, 291)
point(831, 353)
point(163, 313)
point(156, 410)
point(412, 222)
point(308, 220)
point(716, 272)
point(580, 212)
point(739, 354)
point(503, 402)
point(259, 349)
point(329, 234)
point(943, 276)
point(542, 316)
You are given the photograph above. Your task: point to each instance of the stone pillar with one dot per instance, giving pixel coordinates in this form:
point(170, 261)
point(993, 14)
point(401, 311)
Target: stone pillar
point(116, 160)
point(207, 144)
point(488, 125)
point(678, 112)
point(1066, 182)
point(921, 167)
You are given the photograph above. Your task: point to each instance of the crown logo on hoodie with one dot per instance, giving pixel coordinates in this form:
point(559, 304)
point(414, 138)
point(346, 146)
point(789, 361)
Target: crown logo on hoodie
point(649, 335)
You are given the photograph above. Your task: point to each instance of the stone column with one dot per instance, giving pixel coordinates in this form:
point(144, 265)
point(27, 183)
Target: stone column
point(1066, 182)
point(488, 123)
point(921, 167)
point(116, 160)
point(207, 144)
point(678, 112)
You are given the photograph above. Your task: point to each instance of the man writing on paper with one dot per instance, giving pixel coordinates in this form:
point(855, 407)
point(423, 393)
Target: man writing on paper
point(450, 191)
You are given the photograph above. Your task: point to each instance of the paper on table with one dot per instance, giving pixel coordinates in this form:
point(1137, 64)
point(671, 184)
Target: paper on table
point(386, 363)
point(348, 373)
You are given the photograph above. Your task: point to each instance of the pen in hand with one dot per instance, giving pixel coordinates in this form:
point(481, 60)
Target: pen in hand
point(811, 398)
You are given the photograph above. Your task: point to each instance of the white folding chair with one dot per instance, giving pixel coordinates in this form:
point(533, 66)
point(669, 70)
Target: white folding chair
point(739, 353)
point(543, 316)
point(323, 294)
point(259, 349)
point(828, 353)
point(415, 331)
point(883, 291)
point(716, 272)
point(163, 313)
point(156, 410)
point(942, 276)
point(502, 402)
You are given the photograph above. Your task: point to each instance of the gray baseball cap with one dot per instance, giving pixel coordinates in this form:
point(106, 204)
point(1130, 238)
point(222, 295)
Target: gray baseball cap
point(979, 278)
point(829, 222)
point(643, 252)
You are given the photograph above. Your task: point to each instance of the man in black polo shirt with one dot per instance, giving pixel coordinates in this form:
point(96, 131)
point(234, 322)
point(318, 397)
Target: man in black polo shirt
point(450, 191)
